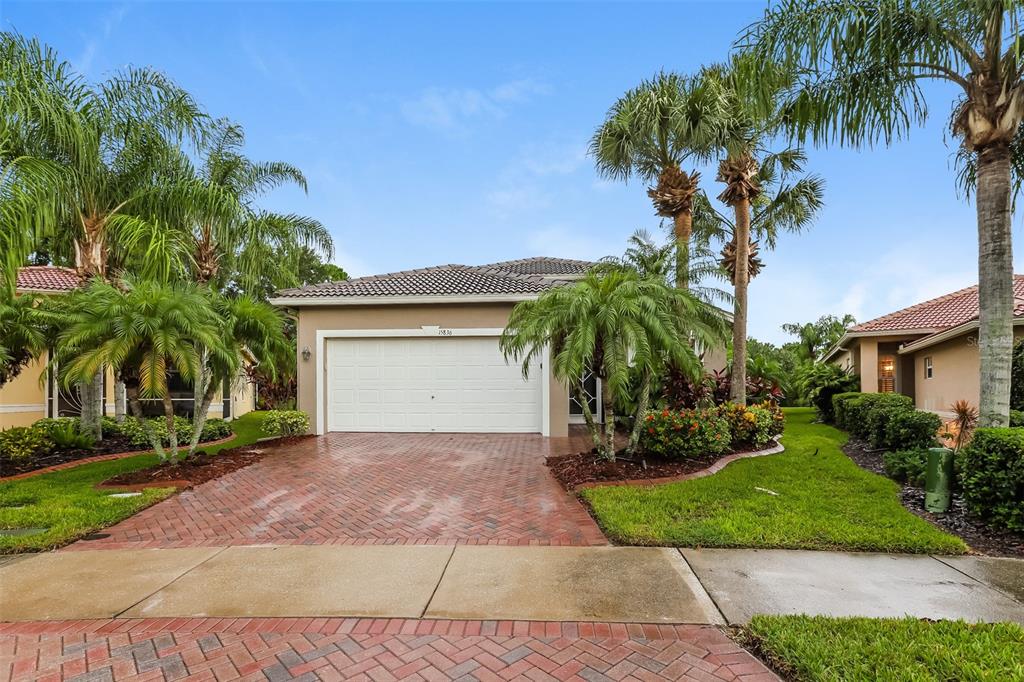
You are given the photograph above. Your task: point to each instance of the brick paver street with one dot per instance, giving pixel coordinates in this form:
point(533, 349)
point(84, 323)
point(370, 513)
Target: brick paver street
point(356, 488)
point(377, 650)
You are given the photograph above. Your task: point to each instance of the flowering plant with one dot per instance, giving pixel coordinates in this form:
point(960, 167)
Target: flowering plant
point(679, 434)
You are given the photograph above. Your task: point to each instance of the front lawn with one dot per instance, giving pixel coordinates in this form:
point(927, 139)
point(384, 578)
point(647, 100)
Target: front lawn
point(68, 505)
point(813, 648)
point(823, 501)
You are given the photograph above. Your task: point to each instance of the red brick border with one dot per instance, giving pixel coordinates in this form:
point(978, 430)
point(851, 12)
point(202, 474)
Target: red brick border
point(98, 458)
point(713, 469)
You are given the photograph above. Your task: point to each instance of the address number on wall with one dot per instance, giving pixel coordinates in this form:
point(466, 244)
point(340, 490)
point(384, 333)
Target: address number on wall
point(445, 332)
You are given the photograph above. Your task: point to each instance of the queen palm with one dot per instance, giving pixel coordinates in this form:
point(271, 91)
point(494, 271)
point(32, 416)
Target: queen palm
point(609, 321)
point(862, 64)
point(650, 132)
point(748, 167)
point(143, 329)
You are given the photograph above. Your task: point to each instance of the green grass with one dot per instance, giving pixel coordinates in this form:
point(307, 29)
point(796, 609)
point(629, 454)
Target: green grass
point(824, 501)
point(816, 648)
point(67, 503)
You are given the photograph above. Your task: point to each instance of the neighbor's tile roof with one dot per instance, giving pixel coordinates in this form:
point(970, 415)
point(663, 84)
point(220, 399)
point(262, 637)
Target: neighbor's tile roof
point(939, 313)
point(512, 277)
point(47, 278)
point(543, 265)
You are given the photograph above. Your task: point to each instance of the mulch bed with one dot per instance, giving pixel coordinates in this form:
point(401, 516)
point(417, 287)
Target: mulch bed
point(110, 445)
point(587, 467)
point(199, 468)
point(957, 520)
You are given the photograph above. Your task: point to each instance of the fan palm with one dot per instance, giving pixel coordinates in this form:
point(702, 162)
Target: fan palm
point(861, 65)
point(142, 329)
point(650, 132)
point(608, 321)
point(748, 167)
point(22, 334)
point(252, 332)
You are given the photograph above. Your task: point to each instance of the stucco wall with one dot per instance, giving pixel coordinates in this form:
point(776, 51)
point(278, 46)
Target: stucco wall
point(23, 400)
point(462, 316)
point(956, 367)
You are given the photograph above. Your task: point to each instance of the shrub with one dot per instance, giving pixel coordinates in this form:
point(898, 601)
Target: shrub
point(1017, 378)
point(132, 429)
point(840, 402)
point(679, 434)
point(859, 411)
point(24, 443)
point(907, 466)
point(912, 429)
point(820, 381)
point(285, 423)
point(1016, 418)
point(753, 425)
point(50, 424)
point(215, 429)
point(65, 434)
point(992, 476)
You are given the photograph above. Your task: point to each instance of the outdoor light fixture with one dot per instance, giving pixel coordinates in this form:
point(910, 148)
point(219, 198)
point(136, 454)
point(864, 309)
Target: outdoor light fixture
point(306, 353)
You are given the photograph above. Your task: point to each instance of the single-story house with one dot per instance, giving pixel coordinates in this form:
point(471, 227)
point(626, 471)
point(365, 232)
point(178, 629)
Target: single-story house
point(35, 393)
point(928, 351)
point(417, 351)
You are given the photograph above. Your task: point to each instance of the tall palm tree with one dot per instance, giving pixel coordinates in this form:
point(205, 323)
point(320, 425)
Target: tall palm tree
point(650, 132)
point(105, 168)
point(748, 167)
point(861, 65)
point(814, 338)
point(143, 329)
point(251, 332)
point(609, 321)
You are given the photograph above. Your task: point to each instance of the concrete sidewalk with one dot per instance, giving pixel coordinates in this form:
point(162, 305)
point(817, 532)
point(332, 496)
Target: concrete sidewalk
point(612, 584)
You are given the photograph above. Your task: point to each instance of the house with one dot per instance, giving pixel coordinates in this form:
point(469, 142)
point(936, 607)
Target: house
point(417, 351)
point(928, 351)
point(35, 393)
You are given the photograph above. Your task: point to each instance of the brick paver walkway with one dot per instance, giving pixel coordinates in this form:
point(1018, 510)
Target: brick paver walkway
point(377, 650)
point(349, 488)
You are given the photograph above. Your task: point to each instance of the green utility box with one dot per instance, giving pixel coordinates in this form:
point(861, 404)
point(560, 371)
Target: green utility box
point(938, 480)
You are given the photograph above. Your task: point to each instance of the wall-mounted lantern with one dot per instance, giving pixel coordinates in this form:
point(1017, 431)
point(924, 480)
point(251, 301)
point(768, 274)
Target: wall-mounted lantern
point(306, 353)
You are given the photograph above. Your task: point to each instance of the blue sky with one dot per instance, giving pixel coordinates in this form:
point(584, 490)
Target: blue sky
point(456, 133)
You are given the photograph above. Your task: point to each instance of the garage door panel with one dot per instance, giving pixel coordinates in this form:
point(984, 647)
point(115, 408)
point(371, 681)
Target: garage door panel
point(428, 384)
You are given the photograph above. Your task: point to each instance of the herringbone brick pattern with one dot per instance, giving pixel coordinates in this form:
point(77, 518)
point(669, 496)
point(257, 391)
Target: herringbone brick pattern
point(377, 650)
point(349, 488)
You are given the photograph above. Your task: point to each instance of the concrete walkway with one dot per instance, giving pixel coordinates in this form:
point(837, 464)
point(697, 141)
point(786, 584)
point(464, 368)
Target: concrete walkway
point(610, 584)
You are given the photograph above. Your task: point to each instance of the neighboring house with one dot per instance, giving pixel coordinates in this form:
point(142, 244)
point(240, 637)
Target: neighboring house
point(928, 351)
point(35, 393)
point(417, 351)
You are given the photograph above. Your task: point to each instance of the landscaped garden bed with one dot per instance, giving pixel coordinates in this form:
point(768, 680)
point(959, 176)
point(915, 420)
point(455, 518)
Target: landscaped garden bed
point(818, 648)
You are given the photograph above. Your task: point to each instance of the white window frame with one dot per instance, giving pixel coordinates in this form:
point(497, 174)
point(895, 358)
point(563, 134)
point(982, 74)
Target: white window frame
point(929, 367)
point(322, 335)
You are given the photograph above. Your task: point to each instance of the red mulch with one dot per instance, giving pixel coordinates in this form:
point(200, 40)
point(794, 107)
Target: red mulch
point(199, 468)
point(587, 467)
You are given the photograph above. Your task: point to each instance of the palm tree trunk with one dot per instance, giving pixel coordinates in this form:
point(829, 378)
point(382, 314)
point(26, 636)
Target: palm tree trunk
point(683, 228)
point(172, 433)
point(132, 394)
point(199, 416)
point(91, 394)
point(607, 404)
point(995, 284)
point(641, 408)
point(120, 400)
point(588, 416)
point(738, 385)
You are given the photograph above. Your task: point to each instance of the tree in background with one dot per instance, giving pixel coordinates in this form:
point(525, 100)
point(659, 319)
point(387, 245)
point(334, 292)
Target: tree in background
point(861, 64)
point(650, 132)
point(610, 321)
point(814, 338)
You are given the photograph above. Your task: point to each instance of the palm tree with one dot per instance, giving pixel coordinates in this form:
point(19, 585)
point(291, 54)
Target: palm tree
point(143, 329)
point(23, 333)
point(608, 321)
point(748, 167)
point(814, 338)
point(252, 332)
point(650, 132)
point(861, 65)
point(105, 168)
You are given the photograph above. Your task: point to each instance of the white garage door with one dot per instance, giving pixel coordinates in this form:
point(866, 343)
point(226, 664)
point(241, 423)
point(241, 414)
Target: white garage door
point(453, 384)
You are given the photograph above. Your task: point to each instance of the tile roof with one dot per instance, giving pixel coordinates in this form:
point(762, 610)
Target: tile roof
point(939, 313)
point(543, 265)
point(47, 278)
point(523, 277)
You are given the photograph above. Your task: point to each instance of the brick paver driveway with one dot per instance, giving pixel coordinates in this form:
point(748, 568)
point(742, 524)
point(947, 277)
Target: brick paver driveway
point(375, 488)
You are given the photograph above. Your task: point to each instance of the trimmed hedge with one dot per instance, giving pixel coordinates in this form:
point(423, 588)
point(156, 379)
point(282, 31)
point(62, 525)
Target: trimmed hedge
point(840, 401)
point(912, 429)
point(992, 476)
point(906, 466)
point(1016, 418)
point(285, 423)
point(886, 420)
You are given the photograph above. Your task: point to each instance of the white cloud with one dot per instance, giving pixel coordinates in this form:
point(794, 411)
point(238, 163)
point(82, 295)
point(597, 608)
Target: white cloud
point(84, 62)
point(524, 184)
point(451, 109)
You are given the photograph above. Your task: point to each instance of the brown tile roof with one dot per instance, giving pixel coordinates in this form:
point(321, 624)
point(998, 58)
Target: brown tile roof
point(47, 278)
point(939, 313)
point(523, 277)
point(543, 265)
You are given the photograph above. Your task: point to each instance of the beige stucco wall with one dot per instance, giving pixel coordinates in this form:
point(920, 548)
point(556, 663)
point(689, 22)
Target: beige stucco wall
point(23, 400)
point(955, 372)
point(460, 316)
